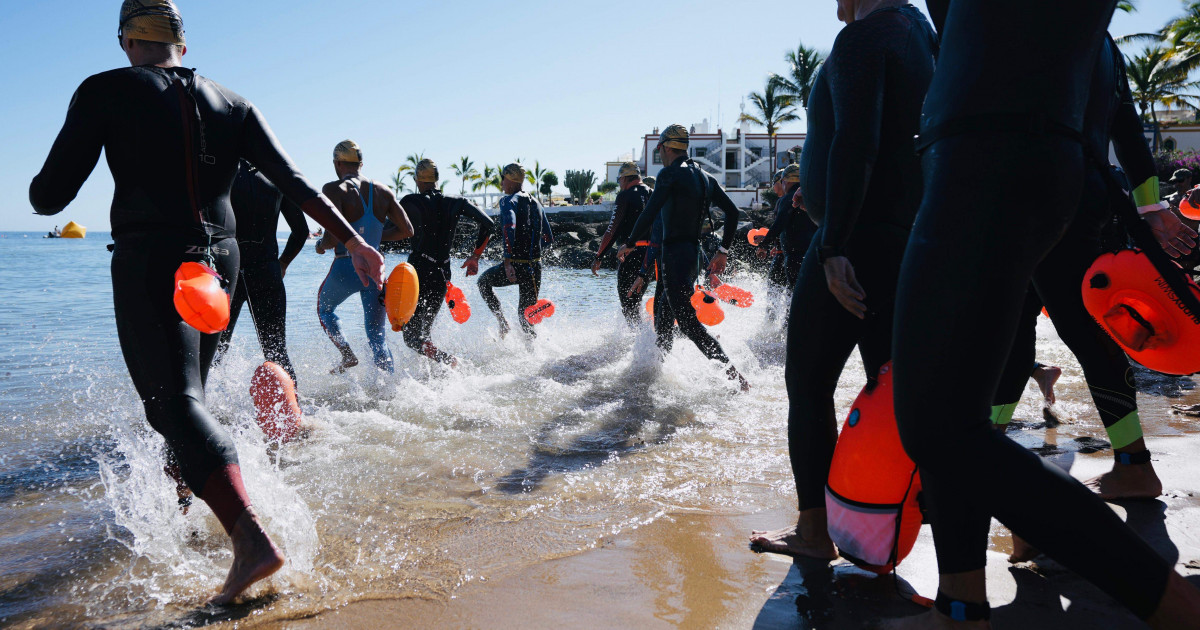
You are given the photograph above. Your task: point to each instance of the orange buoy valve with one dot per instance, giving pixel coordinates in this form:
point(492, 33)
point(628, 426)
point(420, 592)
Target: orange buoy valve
point(400, 295)
point(871, 496)
point(274, 397)
point(199, 298)
point(1129, 298)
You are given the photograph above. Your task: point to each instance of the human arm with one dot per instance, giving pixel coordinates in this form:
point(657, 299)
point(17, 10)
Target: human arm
point(395, 214)
point(73, 155)
point(654, 206)
point(547, 232)
point(783, 212)
point(624, 201)
point(296, 239)
point(721, 199)
point(486, 226)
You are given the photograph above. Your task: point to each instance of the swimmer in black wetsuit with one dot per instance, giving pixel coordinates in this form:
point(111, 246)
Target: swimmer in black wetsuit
point(526, 232)
point(997, 112)
point(173, 140)
point(257, 204)
point(777, 274)
point(630, 202)
point(684, 196)
point(861, 184)
point(792, 227)
point(1110, 117)
point(434, 218)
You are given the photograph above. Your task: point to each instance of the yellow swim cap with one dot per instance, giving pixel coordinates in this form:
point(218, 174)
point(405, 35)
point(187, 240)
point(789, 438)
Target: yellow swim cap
point(649, 181)
point(347, 151)
point(514, 173)
point(427, 171)
point(791, 173)
point(151, 21)
point(629, 169)
point(674, 137)
point(777, 176)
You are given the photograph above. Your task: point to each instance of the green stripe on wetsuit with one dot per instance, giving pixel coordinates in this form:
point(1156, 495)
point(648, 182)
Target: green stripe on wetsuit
point(1125, 431)
point(1002, 414)
point(1146, 193)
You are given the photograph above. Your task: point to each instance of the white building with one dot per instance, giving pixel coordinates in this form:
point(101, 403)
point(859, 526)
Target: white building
point(742, 162)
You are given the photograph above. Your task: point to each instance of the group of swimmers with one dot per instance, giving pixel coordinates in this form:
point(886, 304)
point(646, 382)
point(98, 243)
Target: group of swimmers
point(933, 262)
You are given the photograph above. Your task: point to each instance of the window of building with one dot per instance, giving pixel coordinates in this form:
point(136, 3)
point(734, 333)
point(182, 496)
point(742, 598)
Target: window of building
point(1169, 144)
point(701, 152)
point(732, 180)
point(731, 159)
point(657, 157)
point(757, 151)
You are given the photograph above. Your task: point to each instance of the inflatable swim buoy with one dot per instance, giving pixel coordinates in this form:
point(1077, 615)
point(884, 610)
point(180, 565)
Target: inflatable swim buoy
point(650, 307)
point(199, 298)
point(871, 496)
point(1129, 298)
point(400, 295)
point(730, 294)
point(73, 230)
point(539, 311)
point(459, 309)
point(274, 397)
point(708, 309)
point(1188, 210)
point(756, 232)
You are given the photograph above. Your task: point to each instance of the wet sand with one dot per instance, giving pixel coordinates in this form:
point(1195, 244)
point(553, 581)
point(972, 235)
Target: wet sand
point(695, 570)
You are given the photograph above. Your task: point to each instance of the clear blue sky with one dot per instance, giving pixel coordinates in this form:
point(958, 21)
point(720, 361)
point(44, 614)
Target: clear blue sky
point(571, 84)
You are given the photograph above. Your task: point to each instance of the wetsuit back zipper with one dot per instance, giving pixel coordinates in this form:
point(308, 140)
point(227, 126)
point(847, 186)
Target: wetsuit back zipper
point(189, 161)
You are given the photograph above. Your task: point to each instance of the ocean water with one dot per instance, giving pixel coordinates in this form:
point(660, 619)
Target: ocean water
point(409, 485)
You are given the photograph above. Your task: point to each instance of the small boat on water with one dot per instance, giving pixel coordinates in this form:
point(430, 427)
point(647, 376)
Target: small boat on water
point(70, 230)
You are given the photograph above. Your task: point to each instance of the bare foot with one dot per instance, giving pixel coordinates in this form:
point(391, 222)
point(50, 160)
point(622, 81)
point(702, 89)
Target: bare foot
point(1022, 551)
point(348, 361)
point(734, 375)
point(1045, 377)
point(254, 557)
point(808, 538)
point(931, 620)
point(1127, 481)
point(1179, 607)
point(504, 329)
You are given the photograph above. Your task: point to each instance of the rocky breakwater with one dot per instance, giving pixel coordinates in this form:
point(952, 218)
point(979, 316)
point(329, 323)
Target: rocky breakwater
point(577, 233)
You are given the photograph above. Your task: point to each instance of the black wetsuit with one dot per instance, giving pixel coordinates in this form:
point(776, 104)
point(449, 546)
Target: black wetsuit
point(257, 204)
point(630, 203)
point(525, 231)
point(434, 218)
point(794, 230)
point(996, 113)
point(683, 195)
point(862, 186)
point(172, 140)
point(1110, 116)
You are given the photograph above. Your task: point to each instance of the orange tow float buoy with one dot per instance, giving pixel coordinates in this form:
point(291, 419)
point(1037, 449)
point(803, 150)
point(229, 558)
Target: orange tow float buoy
point(459, 309)
point(199, 298)
point(1188, 210)
point(650, 307)
point(730, 294)
point(756, 232)
point(708, 309)
point(274, 397)
point(400, 295)
point(871, 496)
point(539, 311)
point(1129, 298)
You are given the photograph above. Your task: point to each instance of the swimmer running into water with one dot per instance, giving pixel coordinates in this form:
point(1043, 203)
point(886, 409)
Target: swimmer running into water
point(170, 206)
point(630, 203)
point(684, 196)
point(368, 206)
point(526, 233)
point(792, 228)
point(435, 216)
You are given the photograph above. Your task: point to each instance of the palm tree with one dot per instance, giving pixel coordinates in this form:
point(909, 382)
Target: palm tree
point(535, 177)
point(464, 169)
point(398, 186)
point(803, 64)
point(489, 178)
point(774, 109)
point(1158, 75)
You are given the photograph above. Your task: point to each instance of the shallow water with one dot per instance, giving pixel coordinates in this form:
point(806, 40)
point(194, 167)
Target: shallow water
point(410, 484)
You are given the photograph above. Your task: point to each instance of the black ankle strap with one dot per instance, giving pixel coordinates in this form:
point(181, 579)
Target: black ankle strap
point(1132, 458)
point(960, 610)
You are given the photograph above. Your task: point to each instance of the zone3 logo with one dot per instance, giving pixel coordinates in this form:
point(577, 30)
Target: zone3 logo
point(202, 250)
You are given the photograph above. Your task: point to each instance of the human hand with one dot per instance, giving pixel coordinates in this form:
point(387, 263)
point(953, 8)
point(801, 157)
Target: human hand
point(1176, 238)
point(509, 272)
point(839, 276)
point(596, 267)
point(797, 199)
point(762, 253)
point(718, 263)
point(471, 265)
point(368, 263)
point(624, 252)
point(637, 287)
point(757, 238)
